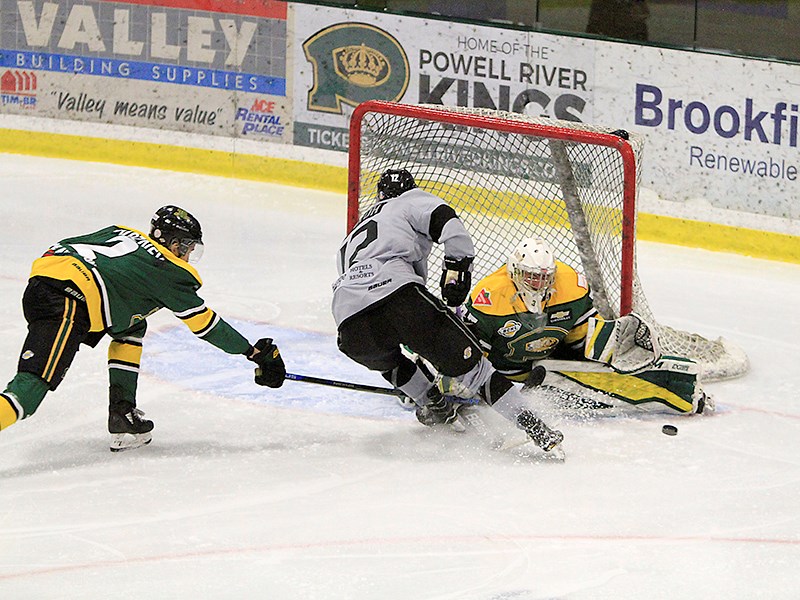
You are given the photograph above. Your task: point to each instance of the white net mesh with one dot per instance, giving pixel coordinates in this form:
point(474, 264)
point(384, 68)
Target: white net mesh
point(508, 185)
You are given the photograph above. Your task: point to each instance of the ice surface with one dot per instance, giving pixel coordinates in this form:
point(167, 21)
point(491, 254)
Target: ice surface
point(309, 492)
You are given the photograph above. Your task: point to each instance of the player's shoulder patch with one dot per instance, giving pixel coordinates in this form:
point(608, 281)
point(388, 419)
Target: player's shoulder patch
point(482, 298)
point(494, 295)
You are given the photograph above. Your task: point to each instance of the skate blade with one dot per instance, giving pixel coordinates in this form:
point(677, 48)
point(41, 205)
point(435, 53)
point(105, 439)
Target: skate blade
point(129, 441)
point(532, 453)
point(526, 447)
point(457, 426)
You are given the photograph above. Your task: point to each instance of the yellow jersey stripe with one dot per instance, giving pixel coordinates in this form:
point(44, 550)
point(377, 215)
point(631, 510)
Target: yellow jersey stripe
point(199, 322)
point(61, 338)
point(576, 334)
point(125, 353)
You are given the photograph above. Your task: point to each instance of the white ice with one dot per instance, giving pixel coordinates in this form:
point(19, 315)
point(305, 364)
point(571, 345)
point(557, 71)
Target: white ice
point(318, 493)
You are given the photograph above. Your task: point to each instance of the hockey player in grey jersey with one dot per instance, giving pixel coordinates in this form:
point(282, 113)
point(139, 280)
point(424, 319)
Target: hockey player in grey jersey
point(380, 303)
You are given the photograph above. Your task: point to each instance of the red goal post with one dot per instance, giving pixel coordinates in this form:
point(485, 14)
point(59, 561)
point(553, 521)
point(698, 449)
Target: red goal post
point(511, 176)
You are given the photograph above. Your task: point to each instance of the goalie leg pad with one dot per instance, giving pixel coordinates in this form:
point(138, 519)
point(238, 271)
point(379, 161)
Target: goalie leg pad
point(671, 384)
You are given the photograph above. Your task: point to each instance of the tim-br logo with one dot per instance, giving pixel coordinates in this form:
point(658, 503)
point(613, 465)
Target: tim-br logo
point(19, 87)
point(353, 63)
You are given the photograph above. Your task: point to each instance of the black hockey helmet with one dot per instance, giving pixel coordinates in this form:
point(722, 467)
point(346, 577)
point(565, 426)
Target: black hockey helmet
point(171, 224)
point(394, 182)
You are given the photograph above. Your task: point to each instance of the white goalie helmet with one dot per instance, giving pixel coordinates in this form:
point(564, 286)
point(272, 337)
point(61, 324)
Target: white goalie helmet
point(532, 268)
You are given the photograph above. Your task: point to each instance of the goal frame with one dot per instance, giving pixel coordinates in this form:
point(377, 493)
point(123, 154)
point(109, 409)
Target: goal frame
point(562, 134)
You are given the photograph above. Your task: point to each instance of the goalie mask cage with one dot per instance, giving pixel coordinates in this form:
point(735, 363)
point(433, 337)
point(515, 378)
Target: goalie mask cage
point(511, 176)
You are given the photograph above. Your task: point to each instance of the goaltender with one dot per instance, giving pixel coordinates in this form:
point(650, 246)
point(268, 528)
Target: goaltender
point(535, 307)
point(109, 282)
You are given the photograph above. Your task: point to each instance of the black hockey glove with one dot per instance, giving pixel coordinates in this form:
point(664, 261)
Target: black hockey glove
point(456, 280)
point(270, 370)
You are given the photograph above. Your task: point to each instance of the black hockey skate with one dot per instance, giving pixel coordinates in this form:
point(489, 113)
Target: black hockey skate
point(541, 434)
point(127, 428)
point(438, 411)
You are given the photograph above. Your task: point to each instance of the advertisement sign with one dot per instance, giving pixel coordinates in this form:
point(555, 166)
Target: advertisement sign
point(721, 129)
point(344, 57)
point(188, 65)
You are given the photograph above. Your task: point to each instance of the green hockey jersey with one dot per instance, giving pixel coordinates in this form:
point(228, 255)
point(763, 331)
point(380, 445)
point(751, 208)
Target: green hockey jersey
point(124, 276)
point(513, 336)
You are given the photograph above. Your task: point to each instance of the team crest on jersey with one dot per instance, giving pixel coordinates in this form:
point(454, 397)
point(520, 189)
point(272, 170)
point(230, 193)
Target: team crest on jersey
point(467, 353)
point(483, 298)
point(510, 329)
point(541, 345)
point(560, 315)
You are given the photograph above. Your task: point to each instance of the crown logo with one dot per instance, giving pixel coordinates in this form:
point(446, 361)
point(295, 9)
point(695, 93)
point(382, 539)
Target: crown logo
point(362, 66)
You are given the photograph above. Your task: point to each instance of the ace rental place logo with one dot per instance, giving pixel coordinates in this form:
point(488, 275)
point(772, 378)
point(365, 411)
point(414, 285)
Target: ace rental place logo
point(355, 62)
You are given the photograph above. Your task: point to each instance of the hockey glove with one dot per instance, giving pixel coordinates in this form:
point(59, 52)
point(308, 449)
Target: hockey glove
point(270, 370)
point(627, 345)
point(456, 280)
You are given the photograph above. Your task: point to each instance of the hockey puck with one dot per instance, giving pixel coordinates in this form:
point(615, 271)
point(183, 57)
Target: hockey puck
point(669, 430)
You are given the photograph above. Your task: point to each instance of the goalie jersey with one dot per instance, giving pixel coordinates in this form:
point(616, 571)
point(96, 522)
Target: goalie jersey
point(124, 276)
point(513, 336)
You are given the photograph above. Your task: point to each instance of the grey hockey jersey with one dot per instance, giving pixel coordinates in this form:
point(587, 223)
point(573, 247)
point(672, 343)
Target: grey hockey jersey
point(389, 248)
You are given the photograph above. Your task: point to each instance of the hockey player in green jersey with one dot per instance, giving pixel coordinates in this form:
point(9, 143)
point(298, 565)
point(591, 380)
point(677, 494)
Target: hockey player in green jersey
point(536, 307)
point(109, 282)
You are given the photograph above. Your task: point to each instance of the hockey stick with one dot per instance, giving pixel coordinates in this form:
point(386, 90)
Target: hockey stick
point(359, 387)
point(363, 387)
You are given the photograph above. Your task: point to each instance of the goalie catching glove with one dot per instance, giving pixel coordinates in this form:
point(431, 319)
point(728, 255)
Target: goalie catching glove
point(627, 345)
point(456, 280)
point(270, 370)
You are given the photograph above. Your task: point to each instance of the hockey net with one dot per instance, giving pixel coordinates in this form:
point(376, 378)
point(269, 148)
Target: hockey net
point(511, 176)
